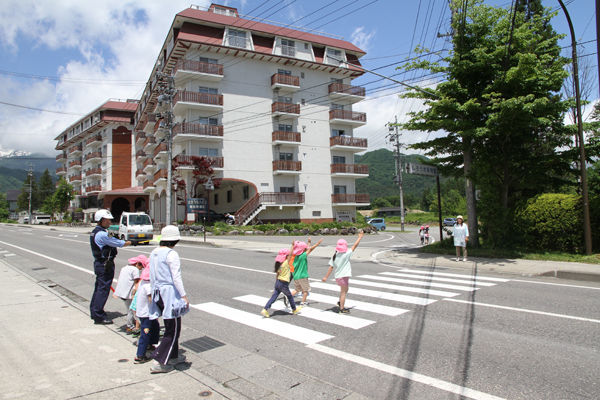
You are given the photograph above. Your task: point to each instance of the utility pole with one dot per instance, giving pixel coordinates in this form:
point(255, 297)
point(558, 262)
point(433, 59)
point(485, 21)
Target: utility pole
point(166, 94)
point(30, 174)
point(398, 178)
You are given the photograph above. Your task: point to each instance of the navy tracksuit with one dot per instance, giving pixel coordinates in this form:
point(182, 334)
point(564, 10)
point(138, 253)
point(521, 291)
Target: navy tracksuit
point(104, 268)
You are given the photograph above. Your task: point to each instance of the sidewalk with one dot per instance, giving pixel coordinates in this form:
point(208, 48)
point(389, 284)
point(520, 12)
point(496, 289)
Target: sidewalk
point(50, 349)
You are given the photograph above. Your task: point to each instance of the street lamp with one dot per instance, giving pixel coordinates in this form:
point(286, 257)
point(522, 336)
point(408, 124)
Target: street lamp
point(208, 186)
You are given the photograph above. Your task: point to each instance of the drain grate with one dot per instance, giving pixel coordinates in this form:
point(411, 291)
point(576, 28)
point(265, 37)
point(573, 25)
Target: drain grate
point(201, 344)
point(37, 269)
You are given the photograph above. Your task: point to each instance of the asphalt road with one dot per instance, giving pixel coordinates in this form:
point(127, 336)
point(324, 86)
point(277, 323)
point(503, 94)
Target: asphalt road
point(412, 334)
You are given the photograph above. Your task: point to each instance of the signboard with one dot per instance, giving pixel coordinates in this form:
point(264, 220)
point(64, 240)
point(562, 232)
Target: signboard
point(421, 169)
point(196, 206)
point(343, 216)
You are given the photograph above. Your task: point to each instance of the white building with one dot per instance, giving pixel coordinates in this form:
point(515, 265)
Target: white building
point(269, 105)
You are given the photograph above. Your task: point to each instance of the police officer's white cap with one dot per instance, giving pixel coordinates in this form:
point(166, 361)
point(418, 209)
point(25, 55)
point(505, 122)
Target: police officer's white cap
point(102, 214)
point(170, 233)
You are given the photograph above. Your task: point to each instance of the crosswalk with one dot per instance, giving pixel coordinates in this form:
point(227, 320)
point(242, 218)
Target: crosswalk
point(402, 288)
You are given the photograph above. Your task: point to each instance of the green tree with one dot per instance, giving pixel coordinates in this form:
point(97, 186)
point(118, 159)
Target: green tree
point(380, 202)
point(593, 175)
point(50, 206)
point(23, 199)
point(3, 207)
point(500, 106)
point(45, 187)
point(63, 195)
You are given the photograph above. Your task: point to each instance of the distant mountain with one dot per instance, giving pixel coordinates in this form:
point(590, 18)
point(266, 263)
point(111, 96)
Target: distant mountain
point(13, 178)
point(40, 162)
point(382, 168)
point(13, 153)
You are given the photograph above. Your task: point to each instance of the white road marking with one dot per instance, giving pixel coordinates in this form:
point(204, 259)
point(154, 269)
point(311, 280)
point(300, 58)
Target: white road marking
point(414, 271)
point(525, 310)
point(431, 278)
point(347, 321)
point(270, 325)
point(557, 284)
point(4, 251)
point(422, 290)
point(379, 295)
point(413, 376)
point(9, 255)
point(374, 256)
point(358, 305)
point(377, 241)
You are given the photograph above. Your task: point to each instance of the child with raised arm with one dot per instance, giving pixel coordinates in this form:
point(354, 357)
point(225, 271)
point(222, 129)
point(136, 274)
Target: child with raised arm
point(301, 284)
point(343, 270)
point(282, 282)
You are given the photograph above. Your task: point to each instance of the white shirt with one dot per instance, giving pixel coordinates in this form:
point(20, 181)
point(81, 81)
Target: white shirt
point(127, 278)
point(144, 290)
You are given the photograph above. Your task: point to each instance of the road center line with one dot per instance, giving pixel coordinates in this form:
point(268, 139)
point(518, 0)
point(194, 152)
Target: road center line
point(413, 376)
point(524, 310)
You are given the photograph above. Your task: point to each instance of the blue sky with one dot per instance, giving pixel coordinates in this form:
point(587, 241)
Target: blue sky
point(97, 50)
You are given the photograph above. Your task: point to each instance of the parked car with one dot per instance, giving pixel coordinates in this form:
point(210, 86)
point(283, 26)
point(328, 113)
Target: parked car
point(214, 216)
point(449, 221)
point(378, 223)
point(41, 219)
point(135, 227)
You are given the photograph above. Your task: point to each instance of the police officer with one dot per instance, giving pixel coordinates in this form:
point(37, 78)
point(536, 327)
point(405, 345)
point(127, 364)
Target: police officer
point(104, 250)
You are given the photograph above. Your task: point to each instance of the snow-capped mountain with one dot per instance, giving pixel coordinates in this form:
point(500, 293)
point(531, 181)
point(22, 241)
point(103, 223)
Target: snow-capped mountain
point(13, 153)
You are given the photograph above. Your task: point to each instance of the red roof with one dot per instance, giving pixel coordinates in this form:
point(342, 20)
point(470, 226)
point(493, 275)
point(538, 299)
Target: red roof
point(268, 29)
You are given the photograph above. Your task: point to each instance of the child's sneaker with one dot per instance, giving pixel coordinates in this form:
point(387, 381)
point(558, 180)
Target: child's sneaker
point(297, 310)
point(141, 360)
point(180, 359)
point(135, 333)
point(265, 313)
point(304, 303)
point(465, 259)
point(158, 368)
point(129, 331)
point(344, 311)
point(457, 258)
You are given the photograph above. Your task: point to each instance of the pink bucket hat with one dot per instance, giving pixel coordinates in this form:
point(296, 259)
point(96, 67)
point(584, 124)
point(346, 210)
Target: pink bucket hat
point(139, 259)
point(299, 248)
point(145, 275)
point(283, 253)
point(342, 246)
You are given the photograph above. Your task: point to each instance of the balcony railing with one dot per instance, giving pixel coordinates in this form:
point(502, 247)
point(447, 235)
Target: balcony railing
point(96, 138)
point(62, 156)
point(140, 154)
point(76, 192)
point(75, 163)
point(189, 128)
point(95, 154)
point(350, 198)
point(140, 136)
point(286, 136)
point(159, 149)
point(75, 178)
point(149, 161)
point(148, 183)
point(61, 170)
point(349, 115)
point(280, 165)
point(288, 51)
point(287, 108)
point(198, 66)
point(282, 198)
point(93, 171)
point(139, 172)
point(347, 141)
point(216, 162)
point(283, 79)
point(162, 174)
point(196, 97)
point(149, 140)
point(75, 148)
point(349, 169)
point(347, 89)
point(93, 188)
point(235, 41)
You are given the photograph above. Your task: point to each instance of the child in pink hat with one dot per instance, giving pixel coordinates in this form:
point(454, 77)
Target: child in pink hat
point(300, 275)
point(343, 270)
point(129, 278)
point(282, 282)
point(149, 329)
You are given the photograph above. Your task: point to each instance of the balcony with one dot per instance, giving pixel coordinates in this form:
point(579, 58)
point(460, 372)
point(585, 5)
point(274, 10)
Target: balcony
point(353, 94)
point(94, 156)
point(75, 178)
point(93, 188)
point(76, 192)
point(160, 176)
point(184, 100)
point(75, 150)
point(198, 70)
point(350, 199)
point(350, 170)
point(94, 140)
point(93, 172)
point(61, 157)
point(287, 167)
point(355, 145)
point(148, 186)
point(149, 144)
point(75, 164)
point(285, 83)
point(185, 162)
point(188, 130)
point(285, 110)
point(140, 174)
point(160, 151)
point(149, 165)
point(139, 138)
point(286, 138)
point(61, 170)
point(347, 117)
point(140, 155)
point(149, 122)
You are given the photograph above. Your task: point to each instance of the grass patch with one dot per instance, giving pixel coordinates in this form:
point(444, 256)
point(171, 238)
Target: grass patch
point(446, 247)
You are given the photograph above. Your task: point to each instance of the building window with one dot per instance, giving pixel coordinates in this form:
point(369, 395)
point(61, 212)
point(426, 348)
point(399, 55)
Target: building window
point(339, 190)
point(216, 199)
point(288, 48)
point(337, 80)
point(203, 89)
point(305, 46)
point(286, 100)
point(303, 102)
point(285, 128)
point(237, 38)
point(333, 53)
point(338, 132)
point(337, 106)
point(286, 157)
point(284, 72)
point(246, 192)
point(302, 75)
point(208, 121)
point(209, 60)
point(207, 152)
point(316, 213)
point(229, 196)
point(339, 160)
point(286, 189)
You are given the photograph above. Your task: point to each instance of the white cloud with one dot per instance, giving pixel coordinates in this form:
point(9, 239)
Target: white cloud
point(117, 41)
point(361, 38)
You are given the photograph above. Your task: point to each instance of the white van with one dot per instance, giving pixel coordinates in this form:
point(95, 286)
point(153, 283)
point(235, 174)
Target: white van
point(135, 227)
point(41, 219)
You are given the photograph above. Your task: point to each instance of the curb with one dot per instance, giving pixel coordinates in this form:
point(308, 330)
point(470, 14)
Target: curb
point(573, 275)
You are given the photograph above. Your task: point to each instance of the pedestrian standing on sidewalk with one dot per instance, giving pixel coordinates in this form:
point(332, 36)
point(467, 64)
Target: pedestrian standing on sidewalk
point(461, 237)
point(127, 285)
point(301, 284)
point(282, 282)
point(168, 299)
point(149, 329)
point(343, 270)
point(104, 250)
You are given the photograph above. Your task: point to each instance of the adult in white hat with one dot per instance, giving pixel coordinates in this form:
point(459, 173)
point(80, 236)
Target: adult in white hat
point(461, 237)
point(104, 250)
point(168, 299)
